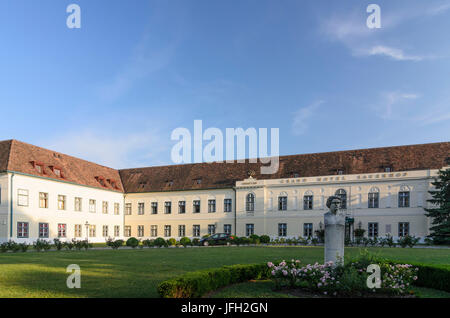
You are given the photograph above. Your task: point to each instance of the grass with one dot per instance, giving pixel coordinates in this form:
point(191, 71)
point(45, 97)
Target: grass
point(264, 289)
point(136, 273)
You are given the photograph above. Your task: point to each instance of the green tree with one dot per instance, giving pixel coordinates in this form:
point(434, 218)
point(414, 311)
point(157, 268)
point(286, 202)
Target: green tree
point(440, 212)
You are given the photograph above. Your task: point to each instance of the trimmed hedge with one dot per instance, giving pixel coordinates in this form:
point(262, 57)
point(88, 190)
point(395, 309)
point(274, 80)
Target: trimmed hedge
point(197, 284)
point(433, 276)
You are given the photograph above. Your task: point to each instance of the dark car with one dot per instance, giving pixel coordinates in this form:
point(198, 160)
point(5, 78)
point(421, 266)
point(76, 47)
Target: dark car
point(216, 239)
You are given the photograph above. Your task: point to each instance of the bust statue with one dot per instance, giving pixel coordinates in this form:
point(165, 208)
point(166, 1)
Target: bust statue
point(334, 203)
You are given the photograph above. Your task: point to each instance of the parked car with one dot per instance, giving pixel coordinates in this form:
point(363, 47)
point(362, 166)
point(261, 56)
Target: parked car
point(216, 239)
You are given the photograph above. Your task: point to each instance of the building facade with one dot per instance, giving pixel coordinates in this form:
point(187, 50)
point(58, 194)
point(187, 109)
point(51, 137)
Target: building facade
point(45, 194)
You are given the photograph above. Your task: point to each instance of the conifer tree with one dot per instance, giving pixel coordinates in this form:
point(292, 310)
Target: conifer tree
point(440, 212)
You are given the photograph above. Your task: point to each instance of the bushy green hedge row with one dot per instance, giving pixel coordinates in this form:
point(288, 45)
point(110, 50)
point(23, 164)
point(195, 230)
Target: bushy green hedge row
point(197, 284)
point(433, 276)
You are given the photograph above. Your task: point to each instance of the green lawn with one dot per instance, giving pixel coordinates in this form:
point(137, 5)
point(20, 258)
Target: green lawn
point(136, 273)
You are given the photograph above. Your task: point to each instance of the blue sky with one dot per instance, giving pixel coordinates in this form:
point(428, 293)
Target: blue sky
point(114, 90)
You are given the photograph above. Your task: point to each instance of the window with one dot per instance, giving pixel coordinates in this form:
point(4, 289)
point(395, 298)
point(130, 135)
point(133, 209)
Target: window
point(282, 229)
point(227, 228)
point(61, 202)
point(127, 231)
point(105, 230)
point(62, 230)
point(196, 206)
point(196, 230)
point(250, 203)
point(116, 208)
point(181, 207)
point(403, 199)
point(39, 168)
point(154, 207)
point(127, 208)
point(78, 204)
point(340, 172)
point(105, 207)
point(154, 230)
point(141, 208)
point(342, 194)
point(373, 230)
point(249, 229)
point(167, 230)
point(388, 169)
point(22, 197)
point(57, 172)
point(211, 206)
point(373, 200)
point(198, 181)
point(308, 202)
point(116, 230)
point(22, 229)
point(282, 203)
point(92, 230)
point(167, 207)
point(181, 230)
point(307, 229)
point(91, 205)
point(78, 230)
point(43, 230)
point(227, 205)
point(43, 200)
point(403, 228)
point(211, 229)
point(140, 229)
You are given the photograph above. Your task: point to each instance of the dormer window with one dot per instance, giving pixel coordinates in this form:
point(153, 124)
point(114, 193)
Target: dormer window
point(39, 166)
point(388, 169)
point(295, 175)
point(169, 183)
point(198, 181)
point(142, 184)
point(57, 171)
point(113, 183)
point(340, 171)
point(101, 180)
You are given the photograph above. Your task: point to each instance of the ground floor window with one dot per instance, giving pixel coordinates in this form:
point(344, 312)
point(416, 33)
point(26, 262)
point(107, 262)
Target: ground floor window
point(181, 230)
point(105, 230)
point(227, 228)
point(167, 230)
point(127, 231)
point(62, 230)
point(373, 230)
point(22, 229)
point(154, 230)
point(92, 231)
point(249, 229)
point(211, 229)
point(282, 229)
point(116, 230)
point(196, 230)
point(43, 230)
point(403, 228)
point(78, 230)
point(307, 230)
point(140, 230)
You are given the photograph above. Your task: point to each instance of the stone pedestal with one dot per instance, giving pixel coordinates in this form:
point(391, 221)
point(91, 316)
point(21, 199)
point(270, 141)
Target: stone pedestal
point(334, 237)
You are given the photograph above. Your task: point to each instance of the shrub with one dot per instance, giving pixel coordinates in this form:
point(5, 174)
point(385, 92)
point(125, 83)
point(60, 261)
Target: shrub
point(13, 246)
point(196, 284)
point(359, 233)
point(132, 242)
point(4, 247)
point(160, 242)
point(285, 272)
point(185, 241)
point(172, 242)
point(244, 240)
point(390, 241)
point(69, 245)
point(320, 234)
point(23, 247)
point(255, 239)
point(148, 243)
point(408, 240)
point(196, 241)
point(58, 244)
point(433, 276)
point(41, 244)
point(314, 241)
point(265, 239)
point(114, 244)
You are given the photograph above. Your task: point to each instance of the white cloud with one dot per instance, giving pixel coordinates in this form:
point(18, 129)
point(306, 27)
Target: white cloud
point(439, 9)
point(301, 117)
point(393, 53)
point(394, 102)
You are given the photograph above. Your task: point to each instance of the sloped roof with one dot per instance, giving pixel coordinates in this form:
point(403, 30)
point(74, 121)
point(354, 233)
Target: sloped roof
point(224, 175)
point(22, 157)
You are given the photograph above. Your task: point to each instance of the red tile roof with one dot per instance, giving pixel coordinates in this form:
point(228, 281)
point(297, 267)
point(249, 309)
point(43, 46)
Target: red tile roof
point(224, 175)
point(22, 157)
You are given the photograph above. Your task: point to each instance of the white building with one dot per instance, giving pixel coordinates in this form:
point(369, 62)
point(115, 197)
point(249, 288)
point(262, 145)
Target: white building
point(45, 194)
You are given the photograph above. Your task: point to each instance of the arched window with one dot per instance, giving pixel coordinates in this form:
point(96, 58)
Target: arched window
point(373, 198)
point(250, 202)
point(308, 200)
point(342, 194)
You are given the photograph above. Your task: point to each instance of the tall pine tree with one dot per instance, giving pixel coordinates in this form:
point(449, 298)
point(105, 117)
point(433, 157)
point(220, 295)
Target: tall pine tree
point(440, 213)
